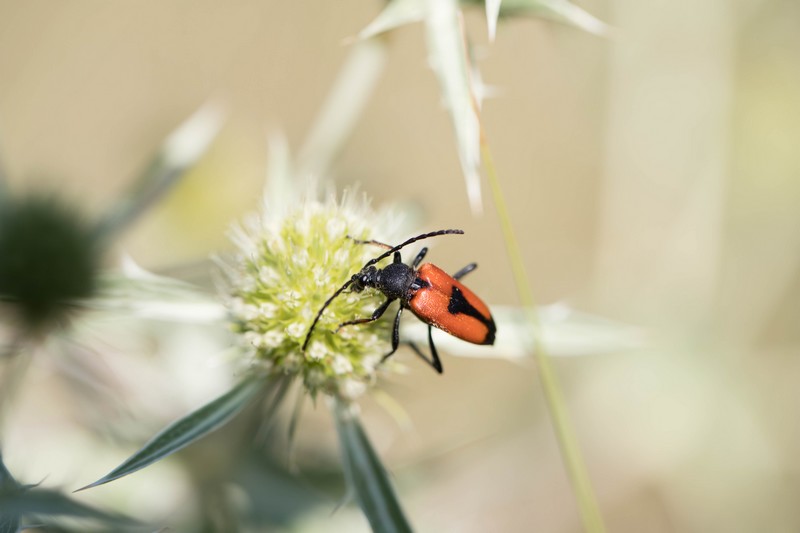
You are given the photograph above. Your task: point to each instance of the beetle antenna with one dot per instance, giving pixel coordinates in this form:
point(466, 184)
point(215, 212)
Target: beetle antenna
point(413, 240)
point(372, 262)
point(319, 314)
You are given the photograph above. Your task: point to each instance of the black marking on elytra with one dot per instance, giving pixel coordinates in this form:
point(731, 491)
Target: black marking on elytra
point(459, 305)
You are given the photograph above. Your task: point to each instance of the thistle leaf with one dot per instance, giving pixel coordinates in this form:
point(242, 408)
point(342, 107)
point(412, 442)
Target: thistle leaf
point(135, 291)
point(449, 59)
point(344, 105)
point(20, 501)
point(187, 430)
point(561, 11)
point(9, 523)
point(7, 481)
point(44, 503)
point(177, 154)
point(396, 13)
point(565, 331)
point(492, 12)
point(9, 516)
point(367, 476)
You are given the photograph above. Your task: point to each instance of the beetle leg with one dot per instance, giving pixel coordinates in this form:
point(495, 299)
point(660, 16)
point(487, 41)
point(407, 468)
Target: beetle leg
point(435, 362)
point(375, 316)
point(466, 270)
point(395, 334)
point(419, 258)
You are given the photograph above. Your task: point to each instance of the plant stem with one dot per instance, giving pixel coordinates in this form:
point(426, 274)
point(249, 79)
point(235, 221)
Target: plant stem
point(570, 451)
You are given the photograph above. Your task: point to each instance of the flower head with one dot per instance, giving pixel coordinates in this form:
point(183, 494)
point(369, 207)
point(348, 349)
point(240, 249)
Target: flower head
point(286, 270)
point(49, 258)
point(51, 254)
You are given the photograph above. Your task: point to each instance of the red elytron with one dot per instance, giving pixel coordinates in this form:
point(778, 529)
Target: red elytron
point(450, 306)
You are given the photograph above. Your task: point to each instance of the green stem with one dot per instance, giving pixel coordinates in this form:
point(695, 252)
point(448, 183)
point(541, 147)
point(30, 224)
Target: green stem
point(570, 451)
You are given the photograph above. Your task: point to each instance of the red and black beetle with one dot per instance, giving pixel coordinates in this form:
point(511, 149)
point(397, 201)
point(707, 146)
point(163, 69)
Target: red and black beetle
point(434, 296)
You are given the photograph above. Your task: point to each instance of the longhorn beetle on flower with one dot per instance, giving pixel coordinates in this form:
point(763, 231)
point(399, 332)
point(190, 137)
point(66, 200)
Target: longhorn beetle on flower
point(434, 296)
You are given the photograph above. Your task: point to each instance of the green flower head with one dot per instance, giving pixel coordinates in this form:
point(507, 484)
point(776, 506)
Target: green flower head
point(49, 259)
point(287, 268)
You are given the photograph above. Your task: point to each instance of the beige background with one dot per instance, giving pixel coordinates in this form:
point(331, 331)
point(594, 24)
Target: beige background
point(652, 178)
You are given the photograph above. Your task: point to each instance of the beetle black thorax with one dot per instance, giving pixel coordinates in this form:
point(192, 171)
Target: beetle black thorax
point(394, 281)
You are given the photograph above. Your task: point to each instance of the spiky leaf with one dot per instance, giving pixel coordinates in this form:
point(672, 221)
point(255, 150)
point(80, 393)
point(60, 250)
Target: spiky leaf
point(44, 504)
point(367, 476)
point(179, 151)
point(188, 429)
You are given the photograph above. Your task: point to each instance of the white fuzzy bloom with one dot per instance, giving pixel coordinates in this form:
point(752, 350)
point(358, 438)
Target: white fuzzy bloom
point(291, 261)
point(272, 339)
point(341, 365)
point(317, 351)
point(296, 330)
point(267, 310)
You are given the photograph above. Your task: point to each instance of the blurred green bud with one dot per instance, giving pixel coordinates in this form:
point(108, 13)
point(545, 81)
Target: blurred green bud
point(49, 259)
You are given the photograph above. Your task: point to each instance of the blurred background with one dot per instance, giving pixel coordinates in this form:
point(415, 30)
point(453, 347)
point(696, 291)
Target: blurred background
point(652, 178)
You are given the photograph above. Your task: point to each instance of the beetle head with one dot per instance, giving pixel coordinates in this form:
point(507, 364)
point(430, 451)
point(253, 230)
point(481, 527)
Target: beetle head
point(365, 278)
